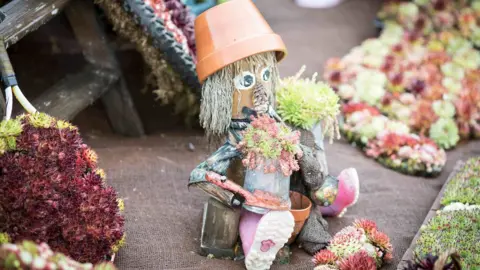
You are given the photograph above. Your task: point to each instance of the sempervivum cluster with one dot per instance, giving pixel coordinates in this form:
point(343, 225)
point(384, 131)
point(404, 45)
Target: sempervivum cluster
point(407, 153)
point(455, 228)
point(428, 82)
point(183, 19)
point(363, 123)
point(390, 142)
point(52, 191)
point(305, 102)
point(270, 145)
point(449, 260)
point(464, 187)
point(178, 21)
point(28, 255)
point(357, 247)
point(422, 17)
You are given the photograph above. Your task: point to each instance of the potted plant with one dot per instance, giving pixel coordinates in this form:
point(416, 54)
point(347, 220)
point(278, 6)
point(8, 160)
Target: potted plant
point(310, 106)
point(270, 153)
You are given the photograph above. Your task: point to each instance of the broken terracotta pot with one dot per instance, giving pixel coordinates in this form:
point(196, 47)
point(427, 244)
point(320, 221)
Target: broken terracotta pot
point(301, 207)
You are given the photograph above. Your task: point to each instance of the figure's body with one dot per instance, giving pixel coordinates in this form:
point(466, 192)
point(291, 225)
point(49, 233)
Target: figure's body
point(239, 73)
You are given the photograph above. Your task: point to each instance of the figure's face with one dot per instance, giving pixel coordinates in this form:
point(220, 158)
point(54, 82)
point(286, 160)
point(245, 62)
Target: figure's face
point(253, 88)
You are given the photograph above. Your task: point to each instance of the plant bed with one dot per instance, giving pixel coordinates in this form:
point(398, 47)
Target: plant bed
point(390, 142)
point(452, 223)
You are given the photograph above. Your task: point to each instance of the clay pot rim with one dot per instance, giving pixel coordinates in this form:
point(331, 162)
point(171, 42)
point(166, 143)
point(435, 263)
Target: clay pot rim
point(223, 57)
point(303, 213)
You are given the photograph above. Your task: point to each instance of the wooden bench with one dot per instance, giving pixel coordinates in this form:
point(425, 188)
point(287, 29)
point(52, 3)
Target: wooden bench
point(100, 78)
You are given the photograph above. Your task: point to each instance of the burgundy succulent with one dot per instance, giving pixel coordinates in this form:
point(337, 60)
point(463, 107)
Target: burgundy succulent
point(183, 19)
point(51, 191)
point(358, 261)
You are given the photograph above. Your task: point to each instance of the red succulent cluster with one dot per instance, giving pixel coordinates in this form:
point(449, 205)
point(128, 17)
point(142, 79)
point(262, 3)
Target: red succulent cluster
point(50, 192)
point(351, 107)
point(324, 256)
point(468, 112)
point(367, 225)
point(358, 261)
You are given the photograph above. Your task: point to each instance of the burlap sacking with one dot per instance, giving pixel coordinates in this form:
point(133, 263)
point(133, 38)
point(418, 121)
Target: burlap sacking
point(314, 235)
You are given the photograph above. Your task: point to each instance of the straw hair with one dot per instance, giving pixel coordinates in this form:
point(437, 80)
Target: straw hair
point(218, 89)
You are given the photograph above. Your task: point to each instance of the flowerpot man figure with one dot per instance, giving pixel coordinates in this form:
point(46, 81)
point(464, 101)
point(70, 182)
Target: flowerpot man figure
point(237, 66)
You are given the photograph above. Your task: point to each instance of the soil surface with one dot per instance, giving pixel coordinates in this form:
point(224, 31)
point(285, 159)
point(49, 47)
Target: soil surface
point(163, 216)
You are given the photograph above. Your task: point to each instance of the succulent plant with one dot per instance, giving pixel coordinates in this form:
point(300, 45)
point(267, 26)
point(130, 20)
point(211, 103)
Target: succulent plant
point(52, 191)
point(464, 187)
point(266, 140)
point(28, 255)
point(407, 153)
point(444, 108)
point(361, 260)
point(452, 230)
point(360, 246)
point(370, 86)
point(305, 102)
point(446, 261)
point(445, 133)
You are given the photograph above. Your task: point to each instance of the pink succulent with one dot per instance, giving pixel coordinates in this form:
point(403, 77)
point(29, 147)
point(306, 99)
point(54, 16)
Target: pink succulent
point(358, 261)
point(324, 256)
point(367, 225)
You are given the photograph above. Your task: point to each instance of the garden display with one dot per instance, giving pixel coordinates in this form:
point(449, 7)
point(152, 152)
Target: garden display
point(360, 246)
point(29, 256)
point(425, 17)
point(162, 31)
point(448, 236)
point(52, 191)
point(239, 75)
point(428, 82)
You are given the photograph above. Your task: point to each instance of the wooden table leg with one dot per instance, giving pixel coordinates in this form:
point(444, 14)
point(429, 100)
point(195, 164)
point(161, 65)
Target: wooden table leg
point(117, 101)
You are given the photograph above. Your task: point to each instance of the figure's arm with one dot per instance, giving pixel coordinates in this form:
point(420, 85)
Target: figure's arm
point(216, 164)
point(210, 177)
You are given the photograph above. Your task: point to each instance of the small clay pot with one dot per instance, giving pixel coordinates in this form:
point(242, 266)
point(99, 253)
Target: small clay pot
point(230, 32)
point(301, 207)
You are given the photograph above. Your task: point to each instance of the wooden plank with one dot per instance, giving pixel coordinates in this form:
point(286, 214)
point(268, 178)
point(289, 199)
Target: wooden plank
point(25, 16)
point(74, 93)
point(408, 255)
point(117, 101)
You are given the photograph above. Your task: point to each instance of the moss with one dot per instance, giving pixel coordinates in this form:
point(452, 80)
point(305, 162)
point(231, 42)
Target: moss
point(458, 230)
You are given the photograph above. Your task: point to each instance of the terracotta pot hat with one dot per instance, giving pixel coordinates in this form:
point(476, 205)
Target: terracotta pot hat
point(232, 31)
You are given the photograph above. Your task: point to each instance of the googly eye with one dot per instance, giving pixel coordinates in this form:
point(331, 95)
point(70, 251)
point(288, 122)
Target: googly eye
point(244, 81)
point(266, 74)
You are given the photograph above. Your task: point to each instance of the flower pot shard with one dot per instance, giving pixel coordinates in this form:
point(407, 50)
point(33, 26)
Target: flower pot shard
point(230, 32)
